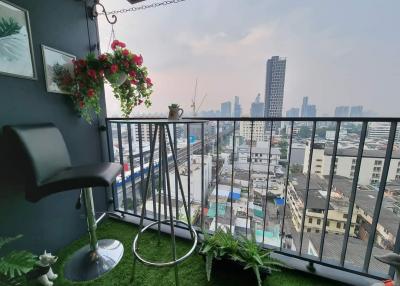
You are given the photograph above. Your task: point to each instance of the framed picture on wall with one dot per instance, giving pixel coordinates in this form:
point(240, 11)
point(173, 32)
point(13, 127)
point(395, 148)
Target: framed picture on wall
point(16, 52)
point(56, 63)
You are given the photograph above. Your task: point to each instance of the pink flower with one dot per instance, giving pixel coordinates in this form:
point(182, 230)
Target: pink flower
point(103, 57)
point(125, 52)
point(90, 92)
point(126, 64)
point(92, 73)
point(148, 81)
point(138, 60)
point(134, 82)
point(114, 68)
point(116, 44)
point(132, 73)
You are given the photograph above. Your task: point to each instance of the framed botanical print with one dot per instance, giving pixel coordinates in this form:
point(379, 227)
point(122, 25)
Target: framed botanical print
point(16, 51)
point(58, 67)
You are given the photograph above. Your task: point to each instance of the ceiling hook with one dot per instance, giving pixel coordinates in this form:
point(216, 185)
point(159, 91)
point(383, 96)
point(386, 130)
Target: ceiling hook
point(93, 12)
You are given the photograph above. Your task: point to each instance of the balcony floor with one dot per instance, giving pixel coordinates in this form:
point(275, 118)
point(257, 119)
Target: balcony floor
point(191, 272)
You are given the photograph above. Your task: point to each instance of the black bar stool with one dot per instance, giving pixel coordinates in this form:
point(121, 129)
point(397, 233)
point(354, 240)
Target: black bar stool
point(51, 172)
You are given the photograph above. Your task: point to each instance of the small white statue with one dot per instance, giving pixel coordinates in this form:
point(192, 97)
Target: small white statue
point(45, 262)
point(392, 259)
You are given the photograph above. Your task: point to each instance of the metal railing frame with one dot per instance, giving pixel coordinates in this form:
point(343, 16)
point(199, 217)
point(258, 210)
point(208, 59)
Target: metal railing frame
point(339, 121)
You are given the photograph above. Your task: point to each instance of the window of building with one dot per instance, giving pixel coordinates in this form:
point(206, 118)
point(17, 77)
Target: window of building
point(319, 221)
point(308, 229)
point(378, 162)
point(310, 220)
point(344, 215)
point(317, 231)
point(354, 161)
point(328, 223)
point(338, 225)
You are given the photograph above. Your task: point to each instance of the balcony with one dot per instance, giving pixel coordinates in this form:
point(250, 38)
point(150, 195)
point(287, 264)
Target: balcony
point(223, 191)
point(325, 205)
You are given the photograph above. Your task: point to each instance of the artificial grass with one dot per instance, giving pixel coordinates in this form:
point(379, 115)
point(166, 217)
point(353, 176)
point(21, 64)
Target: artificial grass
point(191, 271)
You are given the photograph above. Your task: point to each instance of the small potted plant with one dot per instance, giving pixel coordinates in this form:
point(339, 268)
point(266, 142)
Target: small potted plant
point(223, 252)
point(175, 112)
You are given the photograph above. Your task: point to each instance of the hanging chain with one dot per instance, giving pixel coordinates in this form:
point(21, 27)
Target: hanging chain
point(143, 7)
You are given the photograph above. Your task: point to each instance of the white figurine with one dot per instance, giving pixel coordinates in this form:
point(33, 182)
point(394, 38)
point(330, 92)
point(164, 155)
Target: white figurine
point(45, 262)
point(392, 259)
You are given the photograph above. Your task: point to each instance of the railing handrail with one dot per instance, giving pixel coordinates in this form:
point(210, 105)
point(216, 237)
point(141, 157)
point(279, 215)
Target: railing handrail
point(272, 119)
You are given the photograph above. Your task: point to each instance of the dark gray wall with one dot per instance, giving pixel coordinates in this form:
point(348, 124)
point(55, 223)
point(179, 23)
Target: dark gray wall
point(52, 222)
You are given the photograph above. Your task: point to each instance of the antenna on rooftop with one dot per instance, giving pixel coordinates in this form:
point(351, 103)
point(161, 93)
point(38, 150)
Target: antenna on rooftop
point(194, 107)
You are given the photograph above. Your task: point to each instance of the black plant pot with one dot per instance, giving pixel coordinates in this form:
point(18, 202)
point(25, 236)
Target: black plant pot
point(236, 269)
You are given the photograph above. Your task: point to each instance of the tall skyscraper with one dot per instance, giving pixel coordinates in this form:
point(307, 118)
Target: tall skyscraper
point(237, 108)
point(308, 110)
point(293, 112)
point(226, 109)
point(356, 111)
point(342, 111)
point(274, 87)
point(257, 107)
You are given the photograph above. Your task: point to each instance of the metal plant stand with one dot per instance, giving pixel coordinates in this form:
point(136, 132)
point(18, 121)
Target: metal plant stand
point(162, 131)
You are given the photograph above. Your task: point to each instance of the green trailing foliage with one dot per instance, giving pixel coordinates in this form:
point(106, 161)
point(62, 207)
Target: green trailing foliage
point(9, 27)
point(15, 264)
point(244, 251)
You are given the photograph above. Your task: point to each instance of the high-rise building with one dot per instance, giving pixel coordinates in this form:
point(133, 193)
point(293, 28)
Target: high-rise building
point(342, 111)
point(257, 107)
point(237, 108)
point(308, 110)
point(226, 109)
point(293, 112)
point(274, 87)
point(356, 111)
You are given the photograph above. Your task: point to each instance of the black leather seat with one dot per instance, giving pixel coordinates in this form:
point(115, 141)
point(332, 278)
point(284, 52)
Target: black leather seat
point(50, 171)
point(48, 156)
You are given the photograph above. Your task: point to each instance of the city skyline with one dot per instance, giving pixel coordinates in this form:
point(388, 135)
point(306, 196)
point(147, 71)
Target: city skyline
point(229, 58)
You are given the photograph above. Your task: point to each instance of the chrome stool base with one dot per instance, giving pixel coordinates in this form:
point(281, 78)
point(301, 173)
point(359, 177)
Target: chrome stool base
point(169, 263)
point(85, 264)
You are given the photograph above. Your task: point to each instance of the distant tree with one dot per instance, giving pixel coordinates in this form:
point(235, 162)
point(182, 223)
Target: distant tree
point(305, 132)
point(283, 144)
point(296, 169)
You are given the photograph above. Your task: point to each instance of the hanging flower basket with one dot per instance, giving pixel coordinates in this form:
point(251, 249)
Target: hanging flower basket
point(124, 71)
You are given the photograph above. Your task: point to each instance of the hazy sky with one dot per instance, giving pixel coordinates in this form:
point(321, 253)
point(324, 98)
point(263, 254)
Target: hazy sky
point(338, 52)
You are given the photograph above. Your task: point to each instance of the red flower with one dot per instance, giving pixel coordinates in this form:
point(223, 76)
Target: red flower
point(138, 60)
point(148, 81)
point(90, 92)
point(81, 104)
point(116, 44)
point(101, 73)
point(81, 63)
point(126, 64)
point(134, 82)
point(114, 68)
point(103, 57)
point(125, 52)
point(92, 73)
point(132, 73)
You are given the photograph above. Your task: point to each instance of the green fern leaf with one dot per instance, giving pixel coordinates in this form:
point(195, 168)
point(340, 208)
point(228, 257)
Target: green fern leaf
point(209, 259)
point(17, 263)
point(7, 240)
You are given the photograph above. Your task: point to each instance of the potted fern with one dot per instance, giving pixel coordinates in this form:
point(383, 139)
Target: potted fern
point(223, 252)
point(15, 264)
